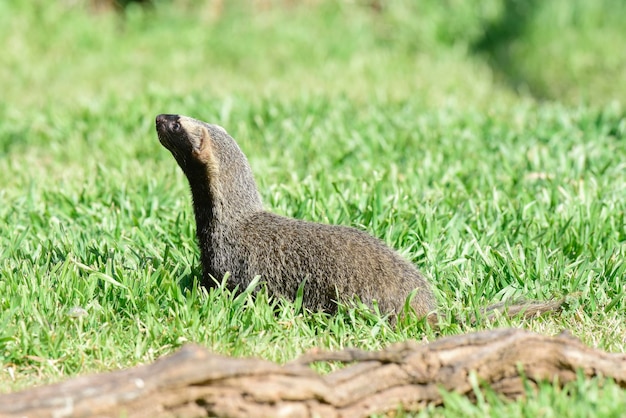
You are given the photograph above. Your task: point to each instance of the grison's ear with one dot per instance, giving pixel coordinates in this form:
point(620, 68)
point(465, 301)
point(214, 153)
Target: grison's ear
point(197, 134)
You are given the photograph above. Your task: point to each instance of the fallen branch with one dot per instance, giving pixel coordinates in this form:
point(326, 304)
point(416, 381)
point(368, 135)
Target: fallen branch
point(196, 383)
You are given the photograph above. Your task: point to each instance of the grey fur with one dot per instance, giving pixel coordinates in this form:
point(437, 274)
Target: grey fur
point(237, 236)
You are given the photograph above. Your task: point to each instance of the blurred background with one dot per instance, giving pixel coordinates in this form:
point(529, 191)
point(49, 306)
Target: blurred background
point(469, 52)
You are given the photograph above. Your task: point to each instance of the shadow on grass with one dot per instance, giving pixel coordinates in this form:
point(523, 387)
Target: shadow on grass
point(190, 279)
point(495, 44)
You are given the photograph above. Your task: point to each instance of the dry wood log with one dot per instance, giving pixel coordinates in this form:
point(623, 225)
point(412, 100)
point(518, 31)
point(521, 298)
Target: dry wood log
point(196, 383)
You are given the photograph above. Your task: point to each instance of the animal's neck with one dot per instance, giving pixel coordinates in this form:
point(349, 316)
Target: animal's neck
point(220, 204)
point(207, 220)
point(204, 201)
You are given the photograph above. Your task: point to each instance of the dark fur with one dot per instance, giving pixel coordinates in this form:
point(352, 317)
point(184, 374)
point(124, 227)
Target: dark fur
point(237, 236)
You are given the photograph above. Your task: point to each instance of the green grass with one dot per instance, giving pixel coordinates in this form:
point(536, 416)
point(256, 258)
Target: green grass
point(492, 195)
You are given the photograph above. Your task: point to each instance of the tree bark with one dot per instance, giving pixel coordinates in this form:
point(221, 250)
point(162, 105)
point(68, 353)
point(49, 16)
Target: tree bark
point(196, 383)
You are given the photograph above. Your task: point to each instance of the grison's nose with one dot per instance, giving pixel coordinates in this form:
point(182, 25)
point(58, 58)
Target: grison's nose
point(165, 121)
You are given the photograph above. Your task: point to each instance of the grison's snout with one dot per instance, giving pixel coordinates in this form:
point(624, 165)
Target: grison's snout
point(168, 123)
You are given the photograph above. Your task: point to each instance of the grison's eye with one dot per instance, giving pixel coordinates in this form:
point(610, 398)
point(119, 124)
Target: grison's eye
point(176, 127)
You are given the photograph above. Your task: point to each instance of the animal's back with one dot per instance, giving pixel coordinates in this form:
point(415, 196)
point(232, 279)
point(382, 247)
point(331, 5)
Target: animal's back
point(334, 260)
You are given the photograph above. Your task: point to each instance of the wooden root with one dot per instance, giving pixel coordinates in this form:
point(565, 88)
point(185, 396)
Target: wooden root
point(196, 383)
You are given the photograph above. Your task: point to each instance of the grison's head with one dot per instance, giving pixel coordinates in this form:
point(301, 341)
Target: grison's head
point(193, 143)
point(210, 157)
